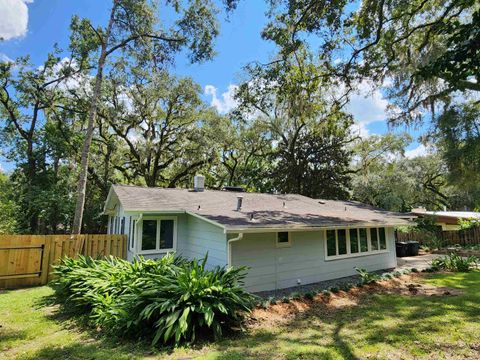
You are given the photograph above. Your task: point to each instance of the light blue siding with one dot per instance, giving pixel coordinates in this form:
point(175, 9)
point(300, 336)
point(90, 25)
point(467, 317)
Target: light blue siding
point(195, 237)
point(302, 263)
point(202, 237)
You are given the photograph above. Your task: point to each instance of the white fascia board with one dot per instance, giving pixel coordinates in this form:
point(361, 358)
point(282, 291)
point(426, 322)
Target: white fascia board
point(290, 228)
point(105, 210)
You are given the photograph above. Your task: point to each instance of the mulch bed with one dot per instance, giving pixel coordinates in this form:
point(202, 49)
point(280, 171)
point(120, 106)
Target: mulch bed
point(406, 285)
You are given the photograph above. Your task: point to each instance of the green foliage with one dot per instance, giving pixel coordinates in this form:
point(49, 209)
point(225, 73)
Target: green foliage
point(308, 132)
point(367, 277)
point(426, 49)
point(170, 300)
point(309, 295)
point(454, 262)
point(466, 224)
point(8, 223)
point(458, 136)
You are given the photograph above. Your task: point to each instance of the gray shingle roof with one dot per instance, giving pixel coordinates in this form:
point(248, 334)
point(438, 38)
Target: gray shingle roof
point(258, 210)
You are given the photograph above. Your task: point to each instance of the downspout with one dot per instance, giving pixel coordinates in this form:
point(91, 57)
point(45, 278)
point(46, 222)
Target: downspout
point(239, 237)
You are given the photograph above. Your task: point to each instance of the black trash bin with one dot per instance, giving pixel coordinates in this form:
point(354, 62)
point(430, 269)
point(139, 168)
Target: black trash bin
point(412, 248)
point(401, 248)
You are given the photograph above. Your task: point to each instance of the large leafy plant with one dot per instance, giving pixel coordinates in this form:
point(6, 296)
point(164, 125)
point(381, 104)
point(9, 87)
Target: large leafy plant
point(454, 262)
point(170, 300)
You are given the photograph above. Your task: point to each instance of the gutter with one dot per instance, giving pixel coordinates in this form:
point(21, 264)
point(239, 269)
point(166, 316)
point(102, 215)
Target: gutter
point(290, 228)
point(229, 242)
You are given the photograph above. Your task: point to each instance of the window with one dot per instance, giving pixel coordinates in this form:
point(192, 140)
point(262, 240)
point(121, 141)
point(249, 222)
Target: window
point(354, 242)
point(166, 234)
point(342, 241)
point(122, 225)
point(149, 235)
point(383, 240)
point(331, 243)
point(158, 235)
point(283, 239)
point(374, 239)
point(363, 240)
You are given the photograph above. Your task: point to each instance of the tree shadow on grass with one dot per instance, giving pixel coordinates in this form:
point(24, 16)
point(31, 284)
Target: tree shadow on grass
point(378, 325)
point(375, 323)
point(10, 335)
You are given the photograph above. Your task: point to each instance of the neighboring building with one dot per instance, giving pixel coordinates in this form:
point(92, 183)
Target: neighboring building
point(448, 220)
point(286, 240)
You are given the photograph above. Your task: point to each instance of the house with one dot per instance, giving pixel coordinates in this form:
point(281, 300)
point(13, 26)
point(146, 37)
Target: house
point(285, 240)
point(448, 220)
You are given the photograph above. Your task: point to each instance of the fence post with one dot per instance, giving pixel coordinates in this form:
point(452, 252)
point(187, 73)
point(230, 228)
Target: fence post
point(45, 260)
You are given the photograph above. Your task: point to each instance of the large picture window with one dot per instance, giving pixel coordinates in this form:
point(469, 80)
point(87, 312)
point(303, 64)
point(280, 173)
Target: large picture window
point(158, 235)
point(354, 242)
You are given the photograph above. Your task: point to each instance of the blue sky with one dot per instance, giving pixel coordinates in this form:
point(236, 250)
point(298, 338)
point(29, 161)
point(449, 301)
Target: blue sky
point(33, 27)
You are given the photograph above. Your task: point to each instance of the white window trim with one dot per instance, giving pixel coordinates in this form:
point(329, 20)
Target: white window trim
point(131, 233)
point(349, 254)
point(139, 231)
point(283, 245)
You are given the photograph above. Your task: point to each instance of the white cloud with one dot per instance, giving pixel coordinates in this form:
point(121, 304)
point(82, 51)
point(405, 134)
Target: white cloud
point(367, 105)
point(14, 21)
point(4, 58)
point(74, 81)
point(360, 129)
point(226, 102)
point(420, 150)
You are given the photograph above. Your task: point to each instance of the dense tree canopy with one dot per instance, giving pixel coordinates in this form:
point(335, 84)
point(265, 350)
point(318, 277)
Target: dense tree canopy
point(423, 51)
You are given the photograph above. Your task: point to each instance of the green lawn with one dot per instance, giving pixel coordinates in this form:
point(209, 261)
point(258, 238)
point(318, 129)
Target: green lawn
point(380, 326)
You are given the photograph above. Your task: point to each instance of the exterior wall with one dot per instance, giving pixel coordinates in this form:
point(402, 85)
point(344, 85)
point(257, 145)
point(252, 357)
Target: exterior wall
point(304, 262)
point(195, 238)
point(449, 227)
point(202, 237)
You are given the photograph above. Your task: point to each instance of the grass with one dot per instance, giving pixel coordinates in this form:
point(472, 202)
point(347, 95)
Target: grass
point(380, 326)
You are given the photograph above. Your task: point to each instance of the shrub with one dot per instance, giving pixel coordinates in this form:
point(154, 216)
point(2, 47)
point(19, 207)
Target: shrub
point(309, 295)
point(334, 289)
point(171, 300)
point(326, 293)
point(454, 262)
point(367, 277)
point(295, 295)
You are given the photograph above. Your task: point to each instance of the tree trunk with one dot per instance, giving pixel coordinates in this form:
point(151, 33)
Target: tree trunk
point(82, 182)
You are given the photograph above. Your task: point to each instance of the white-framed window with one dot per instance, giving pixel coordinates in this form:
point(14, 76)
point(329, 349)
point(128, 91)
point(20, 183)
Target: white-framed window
point(341, 243)
point(122, 225)
point(283, 239)
point(157, 235)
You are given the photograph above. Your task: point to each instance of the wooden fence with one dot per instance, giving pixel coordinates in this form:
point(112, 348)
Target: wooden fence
point(26, 260)
point(445, 238)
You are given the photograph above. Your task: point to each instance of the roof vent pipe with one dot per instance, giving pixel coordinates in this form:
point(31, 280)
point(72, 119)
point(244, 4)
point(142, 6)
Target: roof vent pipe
point(239, 202)
point(199, 183)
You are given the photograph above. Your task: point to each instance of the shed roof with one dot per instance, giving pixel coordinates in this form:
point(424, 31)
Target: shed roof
point(258, 210)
